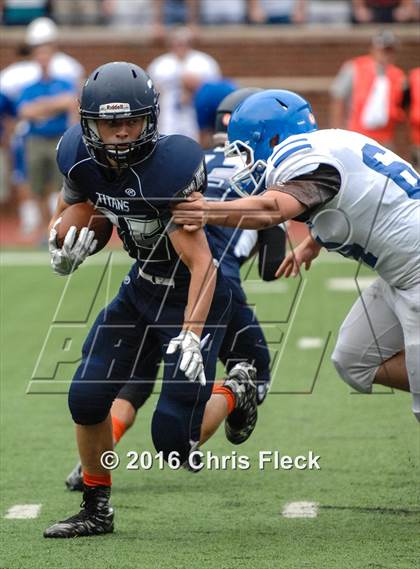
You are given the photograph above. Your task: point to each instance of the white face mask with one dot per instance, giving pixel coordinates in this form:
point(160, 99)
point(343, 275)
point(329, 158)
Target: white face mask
point(251, 177)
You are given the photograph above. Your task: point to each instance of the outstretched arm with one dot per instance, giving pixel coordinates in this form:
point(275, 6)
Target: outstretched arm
point(254, 212)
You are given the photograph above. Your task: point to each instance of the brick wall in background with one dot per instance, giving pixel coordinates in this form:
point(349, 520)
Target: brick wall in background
point(299, 58)
point(262, 51)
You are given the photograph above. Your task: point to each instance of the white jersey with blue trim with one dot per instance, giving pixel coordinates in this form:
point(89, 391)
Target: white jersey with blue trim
point(375, 216)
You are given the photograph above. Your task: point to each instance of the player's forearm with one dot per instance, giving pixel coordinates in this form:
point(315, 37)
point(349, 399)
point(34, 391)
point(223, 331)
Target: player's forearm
point(200, 294)
point(246, 213)
point(254, 212)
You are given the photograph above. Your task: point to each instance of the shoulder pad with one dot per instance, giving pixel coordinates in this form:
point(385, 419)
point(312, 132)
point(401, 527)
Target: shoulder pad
point(71, 150)
point(181, 160)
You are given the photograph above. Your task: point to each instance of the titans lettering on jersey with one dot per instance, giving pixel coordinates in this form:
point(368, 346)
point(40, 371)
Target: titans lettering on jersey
point(137, 201)
point(232, 246)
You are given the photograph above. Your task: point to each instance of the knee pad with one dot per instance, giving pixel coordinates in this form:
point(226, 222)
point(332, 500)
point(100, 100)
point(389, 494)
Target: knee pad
point(355, 373)
point(136, 392)
point(170, 434)
point(87, 409)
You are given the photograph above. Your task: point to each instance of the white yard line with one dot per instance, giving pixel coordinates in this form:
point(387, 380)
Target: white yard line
point(41, 258)
point(306, 343)
point(23, 511)
point(341, 284)
point(300, 510)
point(261, 287)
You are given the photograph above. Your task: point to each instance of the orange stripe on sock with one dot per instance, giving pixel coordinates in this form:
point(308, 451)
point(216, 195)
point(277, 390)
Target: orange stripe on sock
point(227, 394)
point(96, 479)
point(118, 429)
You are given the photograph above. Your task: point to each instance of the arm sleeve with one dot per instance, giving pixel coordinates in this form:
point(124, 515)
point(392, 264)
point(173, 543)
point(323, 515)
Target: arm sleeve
point(196, 183)
point(343, 84)
point(72, 193)
point(313, 189)
point(272, 248)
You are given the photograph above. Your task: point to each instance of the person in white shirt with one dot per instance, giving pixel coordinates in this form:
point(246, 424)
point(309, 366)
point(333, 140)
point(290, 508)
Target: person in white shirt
point(177, 75)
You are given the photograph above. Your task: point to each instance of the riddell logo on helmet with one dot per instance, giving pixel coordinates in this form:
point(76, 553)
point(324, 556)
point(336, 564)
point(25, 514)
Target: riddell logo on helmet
point(114, 107)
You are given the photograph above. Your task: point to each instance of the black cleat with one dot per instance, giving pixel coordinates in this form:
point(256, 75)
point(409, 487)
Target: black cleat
point(74, 480)
point(241, 422)
point(95, 518)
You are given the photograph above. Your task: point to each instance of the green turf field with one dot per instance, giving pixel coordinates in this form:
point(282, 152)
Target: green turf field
point(367, 491)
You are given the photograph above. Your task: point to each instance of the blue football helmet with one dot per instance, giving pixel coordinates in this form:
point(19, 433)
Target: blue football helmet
point(260, 123)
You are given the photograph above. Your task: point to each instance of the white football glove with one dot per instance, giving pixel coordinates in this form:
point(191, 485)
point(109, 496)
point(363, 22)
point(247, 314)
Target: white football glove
point(192, 360)
point(66, 260)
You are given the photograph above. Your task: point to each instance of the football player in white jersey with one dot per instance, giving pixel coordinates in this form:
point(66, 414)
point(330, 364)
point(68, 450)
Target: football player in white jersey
point(358, 199)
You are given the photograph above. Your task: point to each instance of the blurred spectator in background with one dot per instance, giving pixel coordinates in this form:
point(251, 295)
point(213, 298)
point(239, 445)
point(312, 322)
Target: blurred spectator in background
point(177, 76)
point(155, 14)
point(412, 102)
point(43, 31)
point(79, 12)
point(6, 111)
point(120, 13)
point(49, 105)
point(328, 11)
point(22, 12)
point(206, 100)
point(177, 12)
point(218, 13)
point(382, 11)
point(13, 80)
point(417, 10)
point(368, 91)
point(277, 11)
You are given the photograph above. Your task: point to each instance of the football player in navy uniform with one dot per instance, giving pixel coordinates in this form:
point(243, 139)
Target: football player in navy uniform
point(172, 297)
point(244, 340)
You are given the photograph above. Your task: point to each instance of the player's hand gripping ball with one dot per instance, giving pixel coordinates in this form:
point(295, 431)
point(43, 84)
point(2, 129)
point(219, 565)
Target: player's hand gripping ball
point(80, 231)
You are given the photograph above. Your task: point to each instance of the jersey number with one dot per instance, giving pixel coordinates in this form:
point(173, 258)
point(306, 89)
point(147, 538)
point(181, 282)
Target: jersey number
point(379, 159)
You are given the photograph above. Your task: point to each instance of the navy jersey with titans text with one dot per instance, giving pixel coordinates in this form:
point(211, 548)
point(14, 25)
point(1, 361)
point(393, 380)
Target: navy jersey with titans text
point(138, 199)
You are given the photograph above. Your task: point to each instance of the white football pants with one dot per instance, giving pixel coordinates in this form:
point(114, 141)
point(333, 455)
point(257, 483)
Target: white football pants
point(381, 323)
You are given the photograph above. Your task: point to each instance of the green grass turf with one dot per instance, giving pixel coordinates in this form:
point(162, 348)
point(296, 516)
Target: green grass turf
point(367, 487)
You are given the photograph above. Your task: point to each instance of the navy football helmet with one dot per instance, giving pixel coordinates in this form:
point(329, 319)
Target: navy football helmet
point(119, 90)
point(260, 123)
point(229, 104)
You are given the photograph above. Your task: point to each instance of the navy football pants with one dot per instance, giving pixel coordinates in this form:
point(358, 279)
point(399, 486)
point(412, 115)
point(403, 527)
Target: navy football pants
point(119, 346)
point(244, 341)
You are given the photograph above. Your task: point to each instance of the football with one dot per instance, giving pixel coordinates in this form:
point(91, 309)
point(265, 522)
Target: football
point(85, 215)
